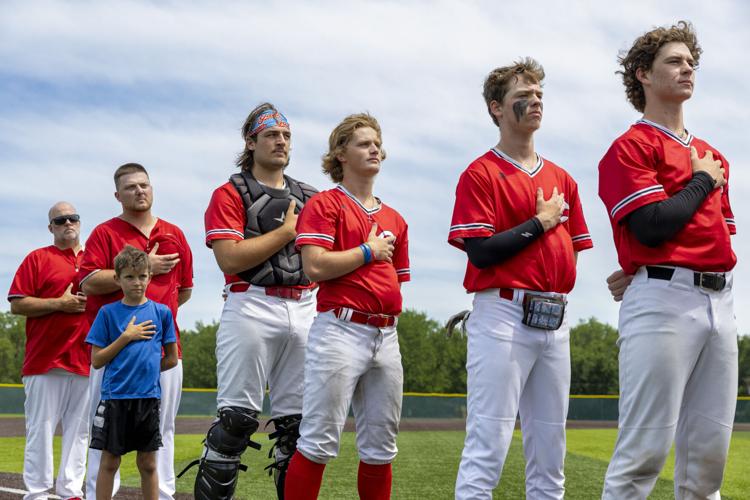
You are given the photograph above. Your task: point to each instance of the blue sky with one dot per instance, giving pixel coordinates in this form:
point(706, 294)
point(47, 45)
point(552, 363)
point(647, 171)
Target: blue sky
point(87, 86)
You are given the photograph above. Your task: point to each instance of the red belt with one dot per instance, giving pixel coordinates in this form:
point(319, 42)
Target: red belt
point(284, 292)
point(377, 320)
point(506, 293)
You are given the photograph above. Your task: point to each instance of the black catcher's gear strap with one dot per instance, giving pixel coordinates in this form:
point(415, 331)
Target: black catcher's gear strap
point(286, 433)
point(227, 438)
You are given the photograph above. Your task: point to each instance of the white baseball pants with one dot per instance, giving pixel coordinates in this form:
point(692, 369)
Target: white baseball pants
point(358, 365)
point(171, 394)
point(261, 339)
point(95, 456)
point(56, 396)
point(512, 367)
point(678, 382)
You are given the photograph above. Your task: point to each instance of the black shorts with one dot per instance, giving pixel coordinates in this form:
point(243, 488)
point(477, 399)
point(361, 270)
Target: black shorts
point(123, 425)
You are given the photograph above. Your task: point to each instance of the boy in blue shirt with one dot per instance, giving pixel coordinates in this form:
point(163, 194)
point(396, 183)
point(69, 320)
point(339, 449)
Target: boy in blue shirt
point(127, 337)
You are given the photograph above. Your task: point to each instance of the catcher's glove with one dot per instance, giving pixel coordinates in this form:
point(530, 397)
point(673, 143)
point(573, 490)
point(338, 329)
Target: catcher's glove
point(454, 320)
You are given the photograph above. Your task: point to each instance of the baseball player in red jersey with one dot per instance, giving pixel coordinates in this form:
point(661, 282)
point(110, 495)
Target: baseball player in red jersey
point(270, 305)
point(356, 248)
point(56, 364)
point(519, 219)
point(668, 200)
point(171, 285)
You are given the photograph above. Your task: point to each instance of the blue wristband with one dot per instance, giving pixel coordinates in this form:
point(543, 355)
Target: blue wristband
point(367, 252)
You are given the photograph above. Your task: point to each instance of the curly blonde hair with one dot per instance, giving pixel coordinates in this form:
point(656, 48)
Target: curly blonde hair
point(497, 83)
point(643, 52)
point(341, 136)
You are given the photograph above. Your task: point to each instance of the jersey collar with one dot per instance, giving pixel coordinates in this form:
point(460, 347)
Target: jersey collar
point(685, 142)
point(368, 211)
point(532, 173)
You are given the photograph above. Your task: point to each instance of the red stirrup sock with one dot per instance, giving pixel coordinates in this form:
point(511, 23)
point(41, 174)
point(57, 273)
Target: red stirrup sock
point(374, 481)
point(303, 478)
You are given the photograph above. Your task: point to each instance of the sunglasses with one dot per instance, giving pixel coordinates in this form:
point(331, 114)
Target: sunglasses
point(59, 221)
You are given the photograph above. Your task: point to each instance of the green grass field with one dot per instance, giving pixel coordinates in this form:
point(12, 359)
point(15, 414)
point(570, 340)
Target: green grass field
point(426, 467)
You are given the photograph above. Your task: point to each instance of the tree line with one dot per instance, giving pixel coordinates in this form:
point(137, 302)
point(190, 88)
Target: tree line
point(432, 361)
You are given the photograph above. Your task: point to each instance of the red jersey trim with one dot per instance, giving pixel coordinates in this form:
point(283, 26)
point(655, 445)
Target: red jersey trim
point(368, 211)
point(532, 173)
point(80, 283)
point(685, 142)
point(731, 225)
point(631, 198)
point(222, 234)
point(403, 275)
point(316, 239)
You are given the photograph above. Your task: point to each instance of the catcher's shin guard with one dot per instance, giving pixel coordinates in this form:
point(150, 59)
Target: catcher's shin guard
point(225, 442)
point(286, 433)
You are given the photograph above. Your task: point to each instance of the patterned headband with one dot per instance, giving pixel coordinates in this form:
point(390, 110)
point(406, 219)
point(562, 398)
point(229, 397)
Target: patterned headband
point(268, 119)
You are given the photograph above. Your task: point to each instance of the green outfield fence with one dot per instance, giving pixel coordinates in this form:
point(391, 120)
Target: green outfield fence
point(202, 402)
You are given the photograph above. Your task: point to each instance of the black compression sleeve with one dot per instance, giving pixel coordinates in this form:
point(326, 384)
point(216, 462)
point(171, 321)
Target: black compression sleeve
point(657, 222)
point(485, 252)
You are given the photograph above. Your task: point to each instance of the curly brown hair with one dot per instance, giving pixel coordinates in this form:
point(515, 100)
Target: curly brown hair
point(497, 83)
point(341, 136)
point(643, 52)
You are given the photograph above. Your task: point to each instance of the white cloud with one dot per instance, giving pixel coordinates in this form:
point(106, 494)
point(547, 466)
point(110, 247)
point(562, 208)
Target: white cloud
point(87, 86)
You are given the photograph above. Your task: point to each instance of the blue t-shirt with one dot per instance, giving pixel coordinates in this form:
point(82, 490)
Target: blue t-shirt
point(134, 371)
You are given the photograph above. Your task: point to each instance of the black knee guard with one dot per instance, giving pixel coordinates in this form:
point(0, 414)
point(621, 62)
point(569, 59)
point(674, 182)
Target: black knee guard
point(286, 433)
point(225, 442)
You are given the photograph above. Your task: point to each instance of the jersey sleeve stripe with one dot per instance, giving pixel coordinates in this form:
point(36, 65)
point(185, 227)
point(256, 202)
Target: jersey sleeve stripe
point(634, 196)
point(473, 225)
point(581, 237)
point(730, 222)
point(214, 232)
point(80, 284)
point(315, 236)
point(403, 271)
point(16, 296)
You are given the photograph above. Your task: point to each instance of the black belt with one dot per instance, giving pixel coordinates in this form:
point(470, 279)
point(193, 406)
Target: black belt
point(709, 281)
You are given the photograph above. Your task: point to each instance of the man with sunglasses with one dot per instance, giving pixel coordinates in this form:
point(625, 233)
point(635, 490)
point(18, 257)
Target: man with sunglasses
point(56, 363)
point(171, 285)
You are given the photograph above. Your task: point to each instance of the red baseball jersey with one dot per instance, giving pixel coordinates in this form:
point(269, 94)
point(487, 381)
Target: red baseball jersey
point(225, 219)
point(496, 193)
point(110, 237)
point(336, 220)
point(54, 340)
point(648, 164)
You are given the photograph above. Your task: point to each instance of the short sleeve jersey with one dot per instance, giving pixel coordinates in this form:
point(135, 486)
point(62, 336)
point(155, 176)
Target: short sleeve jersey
point(110, 237)
point(337, 221)
point(55, 340)
point(495, 193)
point(649, 164)
point(134, 371)
point(225, 219)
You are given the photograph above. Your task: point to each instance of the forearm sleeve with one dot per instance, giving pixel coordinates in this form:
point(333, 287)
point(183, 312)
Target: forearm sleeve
point(485, 252)
point(657, 222)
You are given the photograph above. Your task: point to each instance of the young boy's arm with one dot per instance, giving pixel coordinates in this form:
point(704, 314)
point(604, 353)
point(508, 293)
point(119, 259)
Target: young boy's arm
point(169, 360)
point(100, 356)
